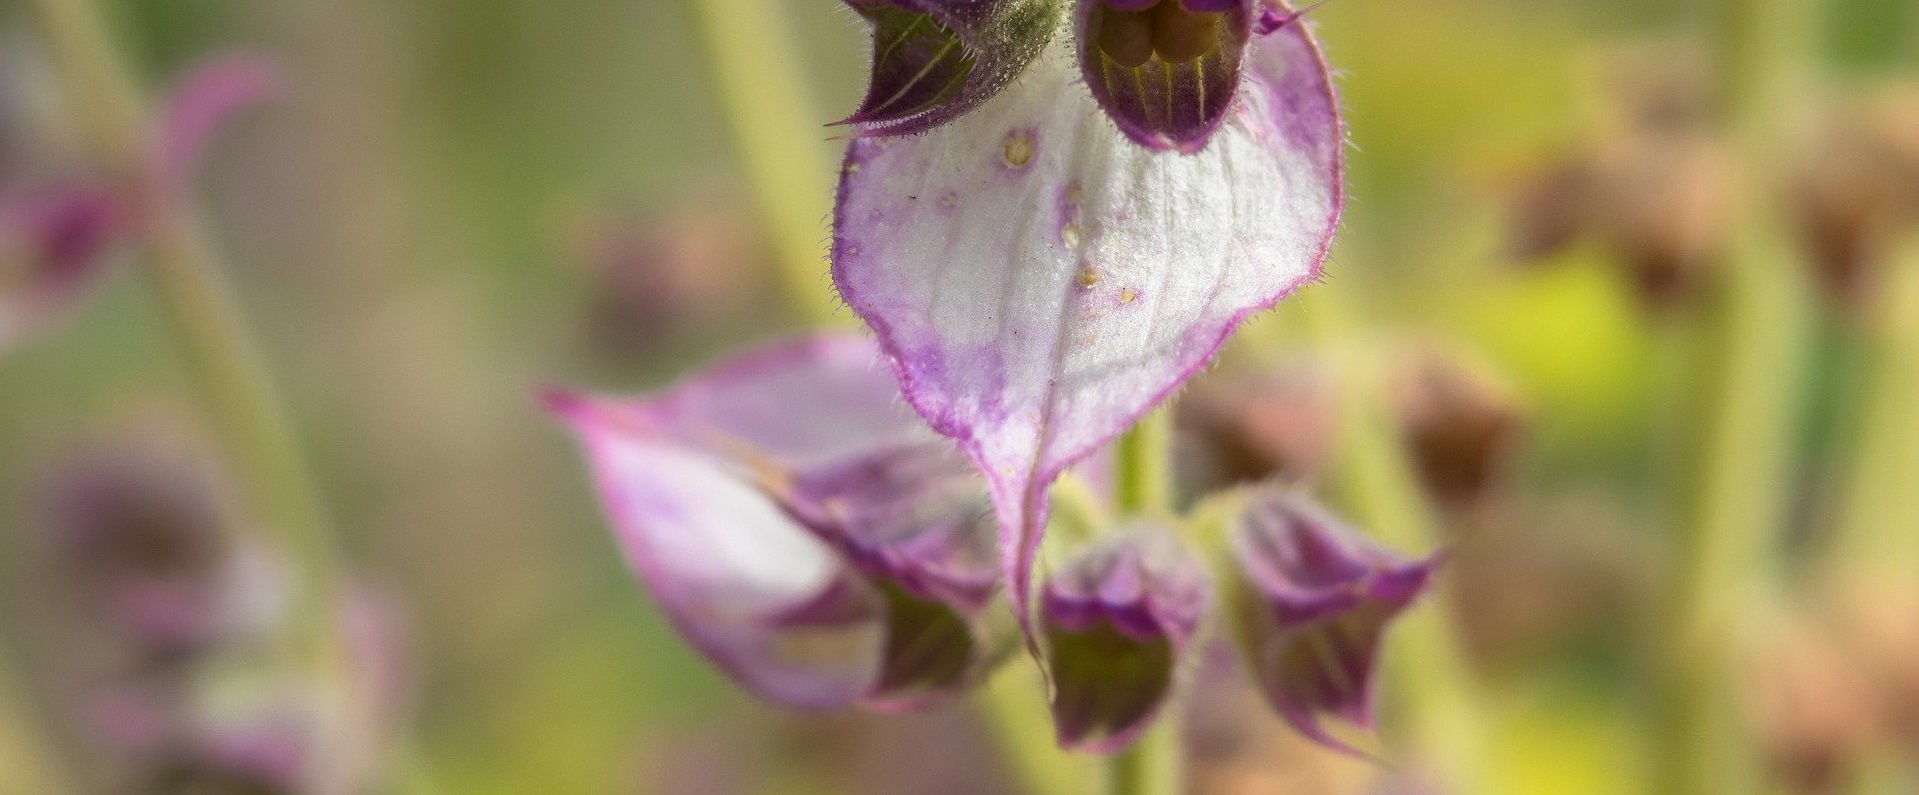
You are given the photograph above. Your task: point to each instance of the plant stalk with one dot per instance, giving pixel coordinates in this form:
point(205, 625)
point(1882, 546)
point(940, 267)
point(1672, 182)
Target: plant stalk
point(752, 59)
point(1878, 512)
point(1757, 324)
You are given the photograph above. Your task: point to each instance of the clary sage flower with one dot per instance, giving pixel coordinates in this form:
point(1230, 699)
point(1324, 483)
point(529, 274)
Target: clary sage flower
point(799, 526)
point(1040, 280)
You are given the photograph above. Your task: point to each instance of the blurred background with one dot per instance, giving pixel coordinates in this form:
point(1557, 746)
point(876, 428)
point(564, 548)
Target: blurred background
point(453, 202)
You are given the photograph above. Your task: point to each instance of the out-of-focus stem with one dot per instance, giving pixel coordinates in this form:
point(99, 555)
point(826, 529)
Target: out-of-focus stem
point(751, 58)
point(1877, 527)
point(1151, 766)
point(1752, 361)
point(1142, 467)
point(206, 323)
point(1013, 705)
point(31, 759)
point(1433, 693)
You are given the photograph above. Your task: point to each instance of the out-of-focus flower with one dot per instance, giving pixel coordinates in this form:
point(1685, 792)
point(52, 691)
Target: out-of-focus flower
point(1859, 189)
point(1314, 600)
point(663, 274)
point(52, 246)
point(1040, 281)
point(1810, 710)
point(1277, 424)
point(1117, 619)
point(1236, 745)
point(936, 60)
point(1654, 187)
point(1461, 424)
point(798, 525)
point(53, 234)
point(145, 540)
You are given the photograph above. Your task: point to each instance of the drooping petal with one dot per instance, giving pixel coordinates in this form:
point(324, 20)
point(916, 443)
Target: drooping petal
point(52, 247)
point(936, 60)
point(770, 603)
point(1316, 600)
point(916, 521)
point(765, 504)
point(205, 100)
point(1166, 71)
point(1040, 282)
point(1117, 619)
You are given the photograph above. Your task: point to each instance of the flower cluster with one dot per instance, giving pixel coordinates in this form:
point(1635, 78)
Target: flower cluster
point(1092, 201)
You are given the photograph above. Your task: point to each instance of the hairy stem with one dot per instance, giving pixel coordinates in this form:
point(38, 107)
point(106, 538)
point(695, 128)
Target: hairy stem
point(752, 60)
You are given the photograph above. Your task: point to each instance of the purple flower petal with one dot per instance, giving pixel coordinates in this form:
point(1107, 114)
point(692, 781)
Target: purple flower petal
point(205, 100)
point(936, 60)
point(1117, 620)
point(792, 518)
point(1040, 282)
point(1320, 597)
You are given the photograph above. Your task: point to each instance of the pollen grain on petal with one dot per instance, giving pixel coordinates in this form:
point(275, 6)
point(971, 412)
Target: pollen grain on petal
point(1019, 149)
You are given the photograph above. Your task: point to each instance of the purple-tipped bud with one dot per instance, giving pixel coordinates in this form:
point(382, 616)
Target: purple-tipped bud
point(934, 60)
point(1166, 71)
point(1317, 597)
point(1117, 619)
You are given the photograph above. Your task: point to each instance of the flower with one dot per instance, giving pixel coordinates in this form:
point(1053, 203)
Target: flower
point(54, 235)
point(798, 525)
point(1314, 598)
point(1039, 281)
point(1118, 618)
point(935, 60)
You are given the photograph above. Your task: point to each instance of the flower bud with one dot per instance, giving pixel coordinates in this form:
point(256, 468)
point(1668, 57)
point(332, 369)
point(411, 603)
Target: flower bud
point(1117, 619)
point(1313, 600)
point(1166, 71)
point(934, 60)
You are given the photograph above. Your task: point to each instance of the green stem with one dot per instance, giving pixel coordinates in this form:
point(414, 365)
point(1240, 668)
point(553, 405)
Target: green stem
point(1757, 324)
point(1879, 507)
point(28, 753)
point(751, 58)
point(1151, 766)
point(1437, 705)
point(1012, 706)
point(1142, 467)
